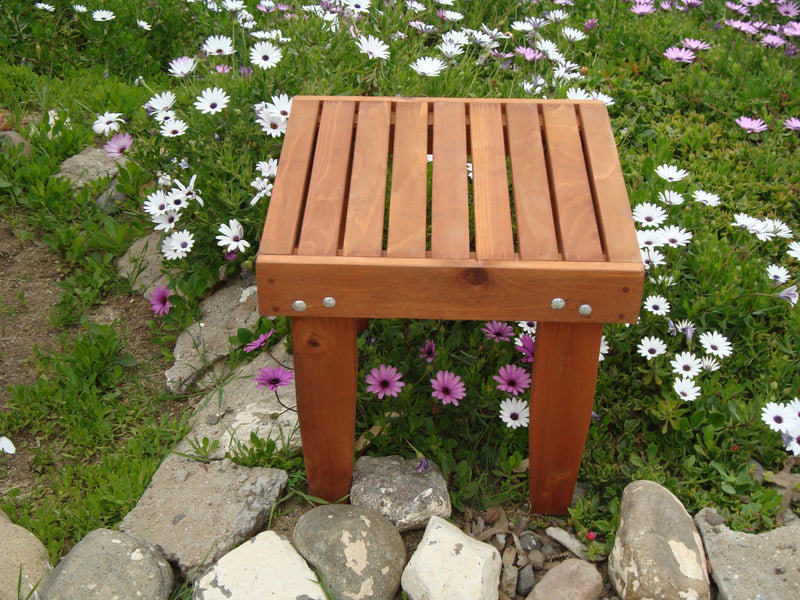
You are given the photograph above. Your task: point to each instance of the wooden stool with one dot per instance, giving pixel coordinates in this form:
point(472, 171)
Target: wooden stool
point(359, 227)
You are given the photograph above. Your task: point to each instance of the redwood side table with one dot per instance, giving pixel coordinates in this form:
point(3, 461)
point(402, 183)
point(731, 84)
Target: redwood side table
point(360, 226)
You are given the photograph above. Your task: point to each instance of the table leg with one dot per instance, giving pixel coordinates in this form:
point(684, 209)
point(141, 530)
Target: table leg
point(326, 371)
point(563, 381)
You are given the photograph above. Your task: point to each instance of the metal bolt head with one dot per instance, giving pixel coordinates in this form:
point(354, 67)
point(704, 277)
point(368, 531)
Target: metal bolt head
point(585, 310)
point(557, 303)
point(299, 305)
point(328, 302)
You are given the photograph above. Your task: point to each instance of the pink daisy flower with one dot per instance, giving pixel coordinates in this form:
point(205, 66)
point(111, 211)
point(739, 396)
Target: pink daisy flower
point(448, 387)
point(512, 379)
point(384, 381)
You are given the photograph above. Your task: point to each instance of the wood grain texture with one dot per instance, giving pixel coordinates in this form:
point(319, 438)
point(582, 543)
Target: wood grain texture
point(612, 204)
point(432, 288)
point(363, 234)
point(536, 228)
point(408, 197)
point(287, 202)
point(562, 393)
point(324, 210)
point(493, 232)
point(450, 202)
point(326, 370)
point(574, 208)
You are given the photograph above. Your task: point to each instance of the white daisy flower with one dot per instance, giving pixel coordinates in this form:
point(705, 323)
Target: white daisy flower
point(706, 198)
point(211, 101)
point(265, 55)
point(604, 98)
point(514, 413)
point(157, 203)
point(649, 238)
point(578, 93)
point(221, 45)
point(649, 214)
point(603, 348)
point(658, 305)
point(778, 274)
point(372, 47)
point(709, 363)
point(48, 8)
point(652, 258)
point(428, 67)
point(79, 8)
point(272, 125)
point(674, 236)
point(650, 347)
point(107, 123)
point(573, 35)
point(232, 237)
point(670, 198)
point(794, 250)
point(187, 192)
point(423, 27)
point(715, 343)
point(263, 187)
point(686, 364)
point(556, 16)
point(415, 6)
point(103, 15)
point(268, 168)
point(686, 327)
point(160, 102)
point(165, 221)
point(686, 389)
point(671, 173)
point(177, 245)
point(450, 49)
point(778, 417)
point(143, 25)
point(528, 327)
point(181, 67)
point(173, 128)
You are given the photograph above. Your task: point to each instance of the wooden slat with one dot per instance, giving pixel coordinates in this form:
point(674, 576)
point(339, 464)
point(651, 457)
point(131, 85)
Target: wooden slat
point(536, 234)
point(363, 234)
point(288, 196)
point(450, 201)
point(320, 231)
point(613, 206)
point(407, 200)
point(576, 223)
point(430, 288)
point(494, 237)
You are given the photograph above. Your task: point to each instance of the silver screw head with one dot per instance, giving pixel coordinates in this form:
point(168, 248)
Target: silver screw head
point(299, 305)
point(328, 302)
point(585, 310)
point(557, 303)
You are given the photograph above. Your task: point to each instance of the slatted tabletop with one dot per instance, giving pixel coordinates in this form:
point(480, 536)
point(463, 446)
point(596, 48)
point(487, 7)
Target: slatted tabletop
point(375, 207)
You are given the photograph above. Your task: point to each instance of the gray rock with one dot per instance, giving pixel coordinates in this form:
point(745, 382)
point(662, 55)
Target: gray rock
point(22, 553)
point(392, 486)
point(657, 552)
point(266, 566)
point(450, 565)
point(747, 566)
point(238, 408)
point(197, 512)
point(358, 552)
point(109, 564)
point(141, 264)
point(528, 541)
point(203, 345)
point(12, 138)
point(525, 580)
point(572, 579)
point(537, 558)
point(92, 164)
point(569, 541)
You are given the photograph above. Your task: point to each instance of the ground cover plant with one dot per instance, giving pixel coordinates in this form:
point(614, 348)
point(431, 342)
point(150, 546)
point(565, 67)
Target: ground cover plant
point(706, 114)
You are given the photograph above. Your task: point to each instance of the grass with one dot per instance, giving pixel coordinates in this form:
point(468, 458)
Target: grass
point(663, 113)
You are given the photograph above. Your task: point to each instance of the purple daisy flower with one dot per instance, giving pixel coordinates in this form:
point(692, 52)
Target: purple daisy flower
point(792, 123)
point(423, 466)
point(512, 379)
point(428, 351)
point(751, 125)
point(259, 341)
point(681, 55)
point(525, 345)
point(273, 377)
point(384, 381)
point(118, 145)
point(159, 301)
point(448, 387)
point(498, 331)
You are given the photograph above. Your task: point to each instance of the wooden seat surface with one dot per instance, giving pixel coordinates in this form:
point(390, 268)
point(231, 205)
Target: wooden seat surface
point(374, 207)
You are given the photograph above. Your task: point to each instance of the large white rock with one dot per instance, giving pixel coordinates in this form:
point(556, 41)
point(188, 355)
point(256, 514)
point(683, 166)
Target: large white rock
point(450, 565)
point(265, 567)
